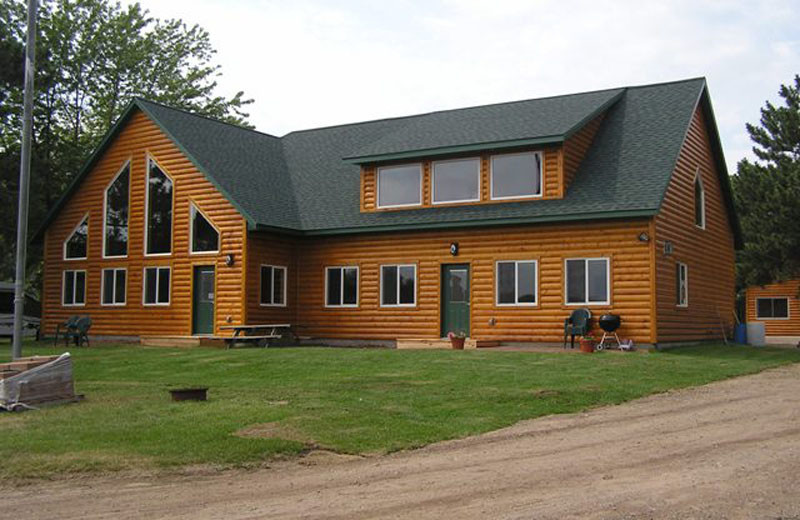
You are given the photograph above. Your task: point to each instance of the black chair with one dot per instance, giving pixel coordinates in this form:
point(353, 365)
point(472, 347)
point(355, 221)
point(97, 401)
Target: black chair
point(578, 324)
point(77, 330)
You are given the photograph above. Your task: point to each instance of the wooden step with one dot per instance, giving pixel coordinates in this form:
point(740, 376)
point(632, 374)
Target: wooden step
point(170, 341)
point(431, 343)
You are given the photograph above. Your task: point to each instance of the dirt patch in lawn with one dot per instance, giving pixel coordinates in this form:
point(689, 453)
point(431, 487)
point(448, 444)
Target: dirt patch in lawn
point(274, 430)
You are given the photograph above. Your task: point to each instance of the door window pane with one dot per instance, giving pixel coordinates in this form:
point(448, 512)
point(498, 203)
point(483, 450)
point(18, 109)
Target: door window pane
point(458, 286)
point(159, 211)
point(116, 215)
point(399, 185)
point(516, 175)
point(455, 181)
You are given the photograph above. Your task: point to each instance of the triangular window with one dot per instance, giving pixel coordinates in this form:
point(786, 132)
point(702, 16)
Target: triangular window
point(205, 237)
point(75, 247)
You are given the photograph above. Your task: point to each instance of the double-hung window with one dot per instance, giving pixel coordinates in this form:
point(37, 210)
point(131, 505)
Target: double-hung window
point(772, 308)
point(516, 175)
point(156, 285)
point(398, 285)
point(587, 281)
point(400, 185)
point(76, 245)
point(273, 285)
point(516, 282)
point(681, 285)
point(113, 286)
point(341, 286)
point(73, 288)
point(456, 180)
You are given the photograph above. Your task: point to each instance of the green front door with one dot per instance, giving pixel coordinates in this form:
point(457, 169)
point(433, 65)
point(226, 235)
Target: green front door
point(203, 300)
point(455, 298)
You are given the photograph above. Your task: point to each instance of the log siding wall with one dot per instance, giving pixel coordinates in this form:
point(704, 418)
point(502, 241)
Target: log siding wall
point(550, 245)
point(138, 138)
point(575, 149)
point(777, 327)
point(708, 253)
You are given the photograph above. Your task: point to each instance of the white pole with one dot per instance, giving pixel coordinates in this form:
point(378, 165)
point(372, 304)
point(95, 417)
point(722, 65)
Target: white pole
point(24, 181)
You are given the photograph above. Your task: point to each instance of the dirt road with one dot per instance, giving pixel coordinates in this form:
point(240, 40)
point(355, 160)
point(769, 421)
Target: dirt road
point(726, 450)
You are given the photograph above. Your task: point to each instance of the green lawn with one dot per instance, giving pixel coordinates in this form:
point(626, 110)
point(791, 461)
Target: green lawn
point(347, 400)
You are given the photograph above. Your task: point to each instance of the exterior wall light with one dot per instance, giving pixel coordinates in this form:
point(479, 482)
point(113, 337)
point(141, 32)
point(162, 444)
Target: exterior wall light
point(229, 259)
point(644, 237)
point(454, 248)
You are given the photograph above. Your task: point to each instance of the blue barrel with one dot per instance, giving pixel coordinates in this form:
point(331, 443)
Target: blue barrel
point(740, 334)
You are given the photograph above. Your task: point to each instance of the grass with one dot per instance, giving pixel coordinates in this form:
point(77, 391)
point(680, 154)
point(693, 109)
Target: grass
point(346, 400)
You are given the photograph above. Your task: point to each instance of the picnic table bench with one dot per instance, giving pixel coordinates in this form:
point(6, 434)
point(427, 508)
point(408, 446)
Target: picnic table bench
point(249, 333)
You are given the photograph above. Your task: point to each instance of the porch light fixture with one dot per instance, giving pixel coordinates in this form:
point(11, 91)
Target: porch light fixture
point(229, 259)
point(454, 248)
point(644, 237)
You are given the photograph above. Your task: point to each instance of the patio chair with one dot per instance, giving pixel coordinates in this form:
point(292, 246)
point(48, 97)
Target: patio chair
point(79, 332)
point(64, 327)
point(578, 324)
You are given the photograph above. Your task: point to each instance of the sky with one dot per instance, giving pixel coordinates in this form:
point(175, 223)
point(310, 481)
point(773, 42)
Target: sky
point(311, 63)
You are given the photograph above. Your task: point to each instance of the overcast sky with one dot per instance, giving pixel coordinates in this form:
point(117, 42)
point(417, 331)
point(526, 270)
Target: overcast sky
point(312, 63)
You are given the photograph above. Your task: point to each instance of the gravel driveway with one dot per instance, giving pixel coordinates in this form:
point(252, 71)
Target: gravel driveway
point(726, 450)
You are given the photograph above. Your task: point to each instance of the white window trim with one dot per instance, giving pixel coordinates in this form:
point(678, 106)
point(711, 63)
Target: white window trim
point(147, 208)
point(195, 207)
point(114, 291)
point(397, 288)
point(788, 308)
point(126, 164)
point(682, 267)
point(586, 260)
point(698, 177)
point(74, 285)
point(433, 180)
point(80, 223)
point(378, 187)
point(271, 296)
point(516, 303)
point(341, 286)
point(158, 269)
point(513, 197)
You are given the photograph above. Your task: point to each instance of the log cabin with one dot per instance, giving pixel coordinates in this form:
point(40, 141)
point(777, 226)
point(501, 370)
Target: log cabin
point(495, 220)
point(777, 306)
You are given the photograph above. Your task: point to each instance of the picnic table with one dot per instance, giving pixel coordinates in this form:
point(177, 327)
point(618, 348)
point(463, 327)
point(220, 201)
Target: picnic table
point(250, 333)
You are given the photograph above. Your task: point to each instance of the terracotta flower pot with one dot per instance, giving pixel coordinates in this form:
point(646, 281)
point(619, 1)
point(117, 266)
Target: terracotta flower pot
point(587, 346)
point(457, 343)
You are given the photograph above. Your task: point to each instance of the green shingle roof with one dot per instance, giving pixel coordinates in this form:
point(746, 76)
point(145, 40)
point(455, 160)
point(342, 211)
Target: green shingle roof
point(309, 181)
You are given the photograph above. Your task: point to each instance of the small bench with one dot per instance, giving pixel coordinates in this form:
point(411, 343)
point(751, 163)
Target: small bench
point(243, 333)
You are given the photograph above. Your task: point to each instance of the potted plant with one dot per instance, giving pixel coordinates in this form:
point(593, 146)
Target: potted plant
point(587, 344)
point(457, 339)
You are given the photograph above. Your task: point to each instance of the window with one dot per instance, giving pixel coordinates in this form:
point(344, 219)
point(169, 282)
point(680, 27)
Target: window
point(772, 308)
point(456, 181)
point(398, 285)
point(115, 215)
point(159, 211)
point(113, 286)
point(682, 285)
point(273, 285)
point(587, 281)
point(205, 237)
point(516, 282)
point(400, 186)
point(699, 202)
point(516, 175)
point(74, 288)
point(75, 246)
point(156, 285)
point(341, 286)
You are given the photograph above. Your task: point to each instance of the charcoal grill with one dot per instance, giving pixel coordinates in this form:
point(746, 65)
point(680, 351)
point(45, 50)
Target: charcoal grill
point(609, 323)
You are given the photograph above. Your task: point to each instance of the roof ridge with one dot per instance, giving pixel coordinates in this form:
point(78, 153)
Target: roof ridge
point(201, 116)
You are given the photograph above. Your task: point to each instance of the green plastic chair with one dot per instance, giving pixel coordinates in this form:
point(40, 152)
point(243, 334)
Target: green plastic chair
point(65, 327)
point(578, 324)
point(80, 332)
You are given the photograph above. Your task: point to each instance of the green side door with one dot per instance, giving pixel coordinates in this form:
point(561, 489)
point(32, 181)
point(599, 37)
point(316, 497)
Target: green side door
point(203, 300)
point(455, 298)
